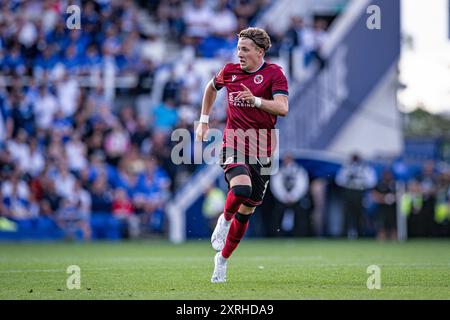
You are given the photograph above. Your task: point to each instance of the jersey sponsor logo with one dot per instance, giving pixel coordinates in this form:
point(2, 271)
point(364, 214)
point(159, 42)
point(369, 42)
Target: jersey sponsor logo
point(232, 96)
point(233, 77)
point(258, 79)
point(238, 103)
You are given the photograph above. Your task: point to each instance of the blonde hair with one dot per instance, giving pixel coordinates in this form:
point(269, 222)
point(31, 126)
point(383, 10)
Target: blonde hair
point(258, 36)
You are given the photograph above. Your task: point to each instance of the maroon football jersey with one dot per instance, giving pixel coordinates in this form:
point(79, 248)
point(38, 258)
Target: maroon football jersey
point(257, 135)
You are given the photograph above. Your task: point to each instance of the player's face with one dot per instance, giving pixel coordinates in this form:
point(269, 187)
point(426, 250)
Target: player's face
point(249, 54)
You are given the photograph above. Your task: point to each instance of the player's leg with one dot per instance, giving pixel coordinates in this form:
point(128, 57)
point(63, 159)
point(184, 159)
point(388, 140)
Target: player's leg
point(240, 222)
point(236, 232)
point(240, 191)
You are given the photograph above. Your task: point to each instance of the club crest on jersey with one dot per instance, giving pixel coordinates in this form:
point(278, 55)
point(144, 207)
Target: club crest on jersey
point(233, 77)
point(258, 79)
point(229, 160)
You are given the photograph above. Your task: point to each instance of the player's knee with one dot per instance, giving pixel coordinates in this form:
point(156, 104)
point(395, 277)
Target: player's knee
point(244, 191)
point(246, 210)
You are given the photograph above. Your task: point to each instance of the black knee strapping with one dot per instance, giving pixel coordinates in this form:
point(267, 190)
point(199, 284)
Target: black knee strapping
point(244, 191)
point(242, 218)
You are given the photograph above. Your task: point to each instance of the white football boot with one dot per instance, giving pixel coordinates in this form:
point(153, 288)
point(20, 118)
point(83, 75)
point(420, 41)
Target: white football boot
point(220, 233)
point(220, 269)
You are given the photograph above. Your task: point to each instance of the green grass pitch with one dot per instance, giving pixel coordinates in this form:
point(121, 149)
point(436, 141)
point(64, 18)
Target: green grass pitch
point(258, 269)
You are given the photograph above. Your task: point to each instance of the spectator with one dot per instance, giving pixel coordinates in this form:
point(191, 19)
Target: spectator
point(165, 116)
point(384, 196)
point(146, 76)
point(55, 148)
point(411, 206)
point(36, 161)
point(46, 62)
point(20, 151)
point(71, 60)
point(190, 92)
point(172, 89)
point(68, 93)
point(64, 181)
point(293, 40)
point(161, 150)
point(45, 106)
point(122, 208)
point(290, 188)
point(213, 206)
point(16, 198)
point(97, 98)
point(62, 125)
point(22, 114)
point(82, 199)
point(126, 178)
point(6, 123)
point(442, 211)
point(313, 42)
point(141, 133)
point(51, 200)
point(101, 196)
point(197, 18)
point(70, 219)
point(245, 9)
point(128, 119)
point(117, 143)
point(224, 22)
point(95, 141)
point(76, 153)
point(92, 62)
point(98, 166)
point(428, 180)
point(14, 63)
point(355, 178)
point(172, 12)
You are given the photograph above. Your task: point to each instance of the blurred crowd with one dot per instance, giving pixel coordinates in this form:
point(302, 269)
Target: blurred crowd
point(64, 153)
point(70, 149)
point(92, 160)
point(359, 199)
point(36, 40)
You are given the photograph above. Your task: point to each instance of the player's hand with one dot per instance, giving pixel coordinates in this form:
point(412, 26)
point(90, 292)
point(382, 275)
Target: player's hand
point(202, 132)
point(246, 95)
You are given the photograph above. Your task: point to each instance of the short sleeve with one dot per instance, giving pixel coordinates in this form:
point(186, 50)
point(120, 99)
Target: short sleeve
point(218, 80)
point(279, 83)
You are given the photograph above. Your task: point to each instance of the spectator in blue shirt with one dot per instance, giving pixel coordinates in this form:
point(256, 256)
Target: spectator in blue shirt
point(165, 115)
point(14, 62)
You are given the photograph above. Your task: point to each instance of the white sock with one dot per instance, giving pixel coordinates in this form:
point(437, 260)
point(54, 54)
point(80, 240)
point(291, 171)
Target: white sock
point(222, 259)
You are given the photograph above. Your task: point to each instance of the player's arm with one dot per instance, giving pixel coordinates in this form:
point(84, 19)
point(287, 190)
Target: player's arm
point(209, 96)
point(279, 106)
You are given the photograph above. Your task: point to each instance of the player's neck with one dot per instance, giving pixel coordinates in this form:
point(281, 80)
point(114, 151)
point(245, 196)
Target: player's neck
point(256, 69)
